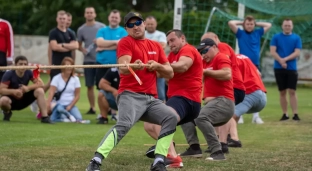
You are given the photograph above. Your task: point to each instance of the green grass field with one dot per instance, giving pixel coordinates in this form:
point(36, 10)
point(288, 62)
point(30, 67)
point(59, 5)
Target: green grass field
point(26, 144)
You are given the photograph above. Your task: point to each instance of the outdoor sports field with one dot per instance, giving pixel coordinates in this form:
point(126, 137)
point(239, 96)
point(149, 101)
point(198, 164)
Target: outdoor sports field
point(26, 144)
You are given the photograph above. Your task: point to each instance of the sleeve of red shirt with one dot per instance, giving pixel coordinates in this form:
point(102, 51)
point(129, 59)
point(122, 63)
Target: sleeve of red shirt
point(187, 52)
point(162, 56)
point(124, 47)
point(224, 62)
point(9, 42)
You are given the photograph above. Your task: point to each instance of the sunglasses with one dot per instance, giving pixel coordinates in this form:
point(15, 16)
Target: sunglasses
point(137, 23)
point(204, 51)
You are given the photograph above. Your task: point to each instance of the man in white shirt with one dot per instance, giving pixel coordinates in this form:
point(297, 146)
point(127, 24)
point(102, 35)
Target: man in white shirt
point(158, 36)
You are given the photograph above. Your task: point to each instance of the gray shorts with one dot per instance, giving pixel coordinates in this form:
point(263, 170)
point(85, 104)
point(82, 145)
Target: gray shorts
point(110, 99)
point(217, 111)
point(252, 103)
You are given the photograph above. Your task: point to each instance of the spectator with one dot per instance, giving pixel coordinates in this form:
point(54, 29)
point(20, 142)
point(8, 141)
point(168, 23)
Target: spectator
point(16, 94)
point(68, 24)
point(108, 94)
point(158, 36)
point(285, 48)
point(6, 44)
point(249, 41)
point(86, 34)
point(67, 86)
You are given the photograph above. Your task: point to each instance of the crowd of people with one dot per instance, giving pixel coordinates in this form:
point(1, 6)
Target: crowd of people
point(228, 84)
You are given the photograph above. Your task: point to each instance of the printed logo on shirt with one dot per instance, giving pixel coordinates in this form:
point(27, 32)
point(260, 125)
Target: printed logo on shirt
point(151, 52)
point(115, 79)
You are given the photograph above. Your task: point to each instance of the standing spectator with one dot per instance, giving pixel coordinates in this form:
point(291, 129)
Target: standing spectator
point(68, 24)
point(249, 41)
point(6, 44)
point(61, 41)
point(285, 48)
point(106, 40)
point(108, 94)
point(158, 36)
point(86, 34)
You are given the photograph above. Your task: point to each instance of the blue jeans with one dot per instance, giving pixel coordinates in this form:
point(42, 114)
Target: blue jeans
point(59, 113)
point(252, 103)
point(110, 99)
point(161, 82)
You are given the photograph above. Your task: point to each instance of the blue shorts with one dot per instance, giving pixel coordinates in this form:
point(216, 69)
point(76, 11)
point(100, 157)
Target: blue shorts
point(89, 74)
point(187, 109)
point(252, 103)
point(110, 99)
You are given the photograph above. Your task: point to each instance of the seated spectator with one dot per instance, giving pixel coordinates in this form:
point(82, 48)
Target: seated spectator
point(65, 91)
point(107, 95)
point(16, 94)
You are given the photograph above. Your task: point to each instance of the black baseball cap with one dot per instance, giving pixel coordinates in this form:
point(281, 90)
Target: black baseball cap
point(205, 42)
point(132, 15)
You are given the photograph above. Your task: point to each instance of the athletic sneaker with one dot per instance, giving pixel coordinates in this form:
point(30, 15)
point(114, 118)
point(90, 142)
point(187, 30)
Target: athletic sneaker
point(257, 120)
point(46, 120)
point(192, 153)
point(7, 115)
point(224, 148)
point(71, 118)
point(241, 120)
point(218, 155)
point(102, 121)
point(233, 143)
point(114, 117)
point(296, 117)
point(91, 111)
point(93, 166)
point(34, 107)
point(150, 153)
point(173, 162)
point(38, 116)
point(159, 166)
point(284, 117)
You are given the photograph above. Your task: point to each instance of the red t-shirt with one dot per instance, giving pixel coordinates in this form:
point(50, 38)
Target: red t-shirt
point(189, 83)
point(214, 87)
point(144, 50)
point(237, 76)
point(251, 77)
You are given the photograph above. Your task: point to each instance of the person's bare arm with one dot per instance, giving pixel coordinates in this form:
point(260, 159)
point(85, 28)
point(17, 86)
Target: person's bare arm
point(163, 70)
point(52, 91)
point(81, 48)
point(57, 47)
point(125, 59)
point(275, 54)
point(50, 54)
point(182, 65)
point(223, 74)
point(293, 55)
point(105, 85)
point(73, 55)
point(114, 47)
point(73, 45)
point(266, 26)
point(233, 24)
point(5, 91)
point(76, 98)
point(100, 42)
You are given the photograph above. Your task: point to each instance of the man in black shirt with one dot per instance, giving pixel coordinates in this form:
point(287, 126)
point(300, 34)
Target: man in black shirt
point(61, 41)
point(108, 93)
point(16, 94)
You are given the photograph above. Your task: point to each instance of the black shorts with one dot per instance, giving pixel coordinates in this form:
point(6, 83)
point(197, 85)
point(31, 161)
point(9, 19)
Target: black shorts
point(187, 109)
point(89, 74)
point(239, 95)
point(286, 79)
point(3, 62)
point(100, 72)
point(27, 99)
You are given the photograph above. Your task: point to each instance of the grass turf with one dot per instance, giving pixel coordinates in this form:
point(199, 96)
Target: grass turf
point(26, 144)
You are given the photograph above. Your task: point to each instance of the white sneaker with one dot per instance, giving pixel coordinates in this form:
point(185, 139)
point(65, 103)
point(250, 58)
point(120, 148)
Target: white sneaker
point(72, 118)
point(66, 120)
point(257, 120)
point(34, 107)
point(241, 120)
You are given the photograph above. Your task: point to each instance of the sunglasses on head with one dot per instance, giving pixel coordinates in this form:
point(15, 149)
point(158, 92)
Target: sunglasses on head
point(204, 51)
point(137, 23)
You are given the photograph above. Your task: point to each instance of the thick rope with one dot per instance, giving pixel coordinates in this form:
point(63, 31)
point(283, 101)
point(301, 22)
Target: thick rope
point(69, 66)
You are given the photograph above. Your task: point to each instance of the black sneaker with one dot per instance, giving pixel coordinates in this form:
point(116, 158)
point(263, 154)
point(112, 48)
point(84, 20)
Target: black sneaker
point(7, 115)
point(284, 117)
point(46, 120)
point(218, 155)
point(296, 117)
point(192, 153)
point(150, 153)
point(91, 111)
point(93, 166)
point(102, 121)
point(159, 166)
point(114, 117)
point(224, 148)
point(233, 143)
